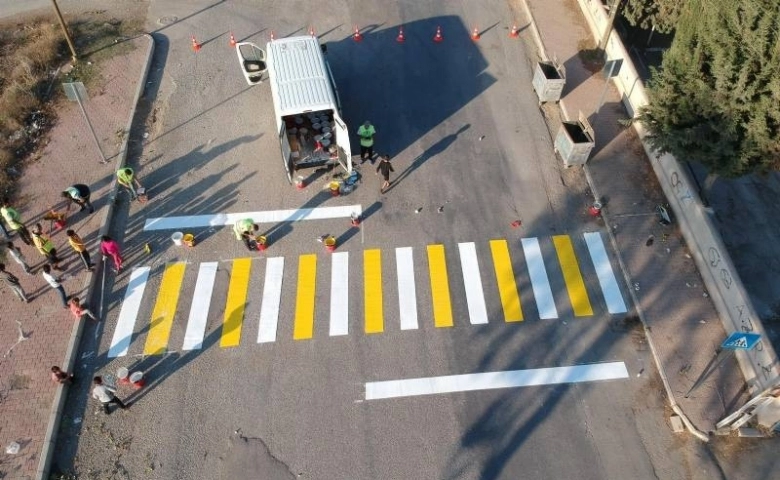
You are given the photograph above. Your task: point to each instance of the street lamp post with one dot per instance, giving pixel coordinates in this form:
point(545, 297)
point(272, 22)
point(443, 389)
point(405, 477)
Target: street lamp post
point(65, 31)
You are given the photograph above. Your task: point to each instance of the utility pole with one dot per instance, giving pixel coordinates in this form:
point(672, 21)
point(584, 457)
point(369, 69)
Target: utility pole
point(65, 31)
point(613, 11)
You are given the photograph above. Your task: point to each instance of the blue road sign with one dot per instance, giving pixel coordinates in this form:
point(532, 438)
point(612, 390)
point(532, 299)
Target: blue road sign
point(741, 341)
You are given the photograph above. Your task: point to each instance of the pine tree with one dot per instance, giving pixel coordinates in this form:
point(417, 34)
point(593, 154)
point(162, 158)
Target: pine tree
point(716, 99)
point(659, 14)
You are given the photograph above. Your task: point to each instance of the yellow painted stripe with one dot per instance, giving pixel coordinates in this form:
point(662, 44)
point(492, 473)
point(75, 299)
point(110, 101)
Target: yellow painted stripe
point(304, 302)
point(372, 282)
point(236, 302)
point(440, 286)
point(505, 277)
point(572, 276)
point(164, 309)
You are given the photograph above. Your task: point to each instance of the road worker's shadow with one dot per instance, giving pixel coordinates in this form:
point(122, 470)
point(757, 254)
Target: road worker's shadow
point(435, 149)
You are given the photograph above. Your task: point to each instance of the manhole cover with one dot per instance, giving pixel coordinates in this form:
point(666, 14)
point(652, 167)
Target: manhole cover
point(167, 20)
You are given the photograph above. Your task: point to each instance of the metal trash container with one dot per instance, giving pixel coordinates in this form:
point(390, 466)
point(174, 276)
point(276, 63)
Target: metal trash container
point(574, 142)
point(548, 82)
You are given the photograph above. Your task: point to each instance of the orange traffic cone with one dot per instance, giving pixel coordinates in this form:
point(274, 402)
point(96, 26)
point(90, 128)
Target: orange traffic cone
point(515, 31)
point(357, 36)
point(195, 45)
point(475, 34)
point(273, 35)
point(232, 40)
point(311, 30)
point(438, 38)
point(400, 38)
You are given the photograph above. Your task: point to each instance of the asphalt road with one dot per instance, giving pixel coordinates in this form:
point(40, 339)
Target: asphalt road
point(470, 147)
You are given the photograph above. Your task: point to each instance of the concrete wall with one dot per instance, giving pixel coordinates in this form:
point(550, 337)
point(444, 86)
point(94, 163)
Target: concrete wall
point(760, 365)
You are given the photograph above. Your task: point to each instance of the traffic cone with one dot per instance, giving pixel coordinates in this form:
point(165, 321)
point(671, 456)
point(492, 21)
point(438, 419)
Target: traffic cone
point(311, 30)
point(273, 35)
point(475, 34)
point(438, 38)
point(515, 31)
point(357, 35)
point(232, 40)
point(195, 45)
point(400, 38)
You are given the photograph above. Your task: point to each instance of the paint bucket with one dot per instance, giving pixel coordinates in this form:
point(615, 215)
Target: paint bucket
point(595, 209)
point(335, 188)
point(137, 379)
point(330, 243)
point(177, 238)
point(188, 239)
point(262, 243)
point(121, 375)
point(300, 183)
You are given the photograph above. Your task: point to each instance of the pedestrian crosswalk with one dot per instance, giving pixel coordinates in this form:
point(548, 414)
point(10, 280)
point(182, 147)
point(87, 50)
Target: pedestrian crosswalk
point(492, 277)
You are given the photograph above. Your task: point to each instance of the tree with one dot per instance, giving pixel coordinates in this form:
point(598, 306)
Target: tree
point(716, 99)
point(661, 15)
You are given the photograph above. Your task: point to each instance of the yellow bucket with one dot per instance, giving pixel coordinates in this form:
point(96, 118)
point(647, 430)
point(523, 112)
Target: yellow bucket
point(188, 239)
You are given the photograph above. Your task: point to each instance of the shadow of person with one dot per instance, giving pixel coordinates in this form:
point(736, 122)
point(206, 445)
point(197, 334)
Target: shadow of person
point(431, 152)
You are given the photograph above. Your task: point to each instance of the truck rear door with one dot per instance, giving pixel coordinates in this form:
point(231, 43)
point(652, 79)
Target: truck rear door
point(342, 141)
point(286, 151)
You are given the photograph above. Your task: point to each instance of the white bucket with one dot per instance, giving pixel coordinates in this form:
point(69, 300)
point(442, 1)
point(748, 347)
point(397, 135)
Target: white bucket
point(177, 238)
point(122, 373)
point(136, 377)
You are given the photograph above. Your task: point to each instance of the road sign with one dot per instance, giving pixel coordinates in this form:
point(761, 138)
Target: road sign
point(741, 341)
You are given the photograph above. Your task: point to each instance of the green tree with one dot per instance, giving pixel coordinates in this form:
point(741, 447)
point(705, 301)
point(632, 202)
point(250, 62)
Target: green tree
point(659, 14)
point(716, 99)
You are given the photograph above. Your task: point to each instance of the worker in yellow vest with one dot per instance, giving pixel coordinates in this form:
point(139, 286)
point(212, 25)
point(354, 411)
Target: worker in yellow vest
point(246, 230)
point(14, 221)
point(126, 178)
point(366, 132)
point(44, 245)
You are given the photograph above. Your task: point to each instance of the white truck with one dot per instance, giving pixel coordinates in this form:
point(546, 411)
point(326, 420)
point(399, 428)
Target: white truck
point(306, 102)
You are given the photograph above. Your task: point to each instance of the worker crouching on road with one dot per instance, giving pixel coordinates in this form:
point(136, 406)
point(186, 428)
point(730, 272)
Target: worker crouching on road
point(247, 230)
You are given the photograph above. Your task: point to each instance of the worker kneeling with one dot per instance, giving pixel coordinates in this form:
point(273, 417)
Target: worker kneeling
point(247, 230)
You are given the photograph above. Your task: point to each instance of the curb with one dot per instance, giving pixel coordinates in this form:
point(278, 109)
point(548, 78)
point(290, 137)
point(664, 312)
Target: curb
point(47, 450)
point(626, 276)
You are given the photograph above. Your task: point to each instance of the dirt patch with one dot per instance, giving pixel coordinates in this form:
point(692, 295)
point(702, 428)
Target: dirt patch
point(34, 60)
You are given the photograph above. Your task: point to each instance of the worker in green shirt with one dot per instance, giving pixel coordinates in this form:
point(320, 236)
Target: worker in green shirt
point(246, 230)
point(126, 178)
point(14, 221)
point(366, 132)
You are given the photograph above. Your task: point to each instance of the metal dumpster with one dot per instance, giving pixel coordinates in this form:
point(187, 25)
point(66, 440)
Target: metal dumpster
point(548, 81)
point(574, 142)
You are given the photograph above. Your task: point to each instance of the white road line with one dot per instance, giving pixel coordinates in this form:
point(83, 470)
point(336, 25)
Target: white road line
point(407, 294)
point(472, 280)
point(539, 281)
point(606, 276)
point(272, 295)
point(269, 216)
point(492, 380)
point(199, 311)
point(339, 294)
point(125, 324)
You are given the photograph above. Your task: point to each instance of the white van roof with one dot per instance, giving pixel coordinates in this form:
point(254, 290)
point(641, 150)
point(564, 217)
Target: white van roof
point(298, 75)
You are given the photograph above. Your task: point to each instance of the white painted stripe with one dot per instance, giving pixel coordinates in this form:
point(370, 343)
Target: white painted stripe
point(472, 280)
point(272, 297)
point(268, 216)
point(492, 380)
point(129, 312)
point(609, 285)
point(539, 281)
point(199, 311)
point(407, 294)
point(339, 294)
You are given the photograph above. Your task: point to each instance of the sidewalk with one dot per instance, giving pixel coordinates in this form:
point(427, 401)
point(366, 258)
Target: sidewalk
point(35, 336)
point(667, 291)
